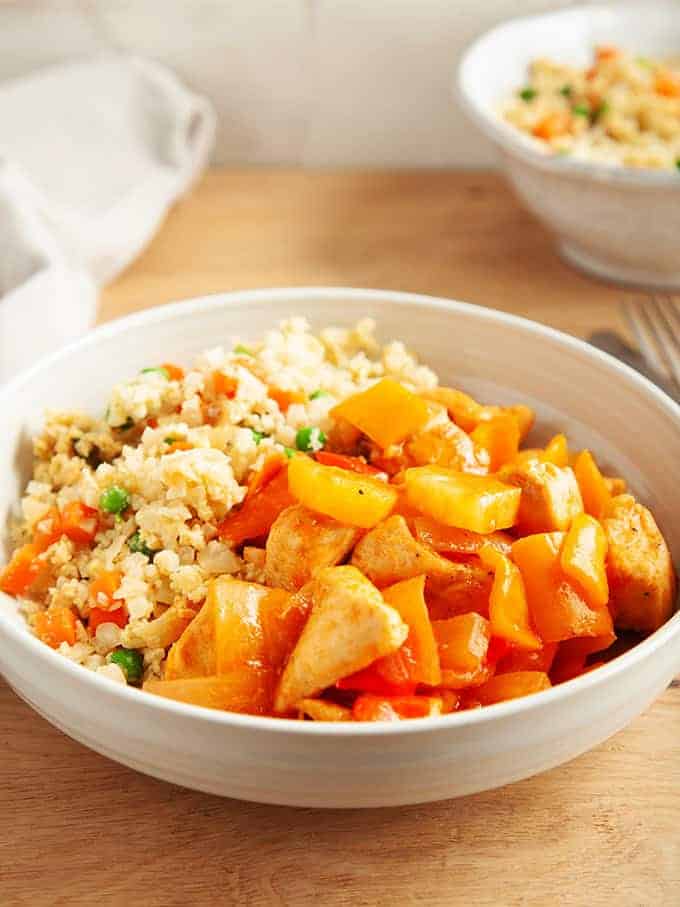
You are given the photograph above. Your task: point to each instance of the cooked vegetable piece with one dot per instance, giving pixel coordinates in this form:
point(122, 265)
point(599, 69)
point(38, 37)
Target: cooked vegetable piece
point(508, 609)
point(524, 660)
point(79, 522)
point(97, 616)
point(131, 662)
point(387, 412)
point(48, 529)
point(395, 708)
point(174, 372)
point(479, 503)
point(114, 499)
point(286, 398)
point(463, 643)
point(271, 467)
point(257, 513)
point(310, 439)
point(499, 437)
point(642, 582)
point(583, 559)
point(238, 691)
point(389, 553)
point(456, 542)
point(24, 568)
point(388, 676)
point(342, 461)
point(512, 686)
point(348, 628)
point(557, 451)
point(348, 497)
point(446, 445)
point(323, 710)
point(301, 542)
point(54, 626)
point(137, 545)
point(103, 588)
point(592, 485)
point(195, 653)
point(552, 125)
point(557, 608)
point(461, 407)
point(550, 496)
point(224, 385)
point(468, 590)
point(408, 599)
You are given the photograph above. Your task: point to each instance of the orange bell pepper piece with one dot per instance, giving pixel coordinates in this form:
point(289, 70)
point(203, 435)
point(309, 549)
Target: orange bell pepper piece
point(557, 451)
point(408, 598)
point(175, 373)
point(557, 608)
point(499, 437)
point(353, 464)
point(583, 559)
point(80, 522)
point(54, 626)
point(238, 691)
point(508, 609)
point(454, 542)
point(512, 686)
point(23, 569)
point(594, 491)
point(271, 467)
point(224, 385)
point(572, 655)
point(257, 513)
point(374, 708)
point(48, 530)
point(357, 500)
point(463, 643)
point(552, 125)
point(523, 660)
point(117, 616)
point(285, 398)
point(387, 412)
point(479, 503)
point(389, 676)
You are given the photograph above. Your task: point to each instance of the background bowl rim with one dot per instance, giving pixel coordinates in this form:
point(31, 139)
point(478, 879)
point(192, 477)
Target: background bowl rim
point(13, 634)
point(514, 141)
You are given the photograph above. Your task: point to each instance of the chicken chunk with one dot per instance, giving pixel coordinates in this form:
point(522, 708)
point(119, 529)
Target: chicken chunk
point(389, 553)
point(550, 496)
point(468, 590)
point(348, 628)
point(301, 543)
point(642, 582)
point(447, 445)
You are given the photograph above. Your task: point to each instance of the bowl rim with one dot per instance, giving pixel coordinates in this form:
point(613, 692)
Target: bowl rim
point(13, 634)
point(515, 142)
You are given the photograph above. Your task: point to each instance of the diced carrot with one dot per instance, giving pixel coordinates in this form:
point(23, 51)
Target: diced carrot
point(48, 529)
point(224, 385)
point(286, 398)
point(23, 570)
point(178, 445)
point(103, 588)
point(152, 423)
point(606, 52)
point(118, 616)
point(257, 513)
point(54, 626)
point(175, 373)
point(552, 125)
point(79, 522)
point(667, 84)
point(354, 464)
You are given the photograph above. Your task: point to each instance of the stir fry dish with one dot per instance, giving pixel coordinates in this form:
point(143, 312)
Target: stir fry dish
point(311, 527)
point(622, 109)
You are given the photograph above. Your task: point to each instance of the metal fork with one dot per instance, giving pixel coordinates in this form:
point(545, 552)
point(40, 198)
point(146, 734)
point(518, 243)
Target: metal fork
point(655, 323)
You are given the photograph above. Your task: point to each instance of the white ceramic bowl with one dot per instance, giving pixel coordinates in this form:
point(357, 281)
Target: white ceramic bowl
point(634, 428)
point(614, 222)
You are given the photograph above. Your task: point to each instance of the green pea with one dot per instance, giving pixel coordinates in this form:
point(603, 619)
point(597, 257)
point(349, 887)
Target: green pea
point(601, 110)
point(242, 350)
point(566, 91)
point(161, 371)
point(310, 439)
point(137, 545)
point(318, 393)
point(131, 663)
point(289, 452)
point(580, 110)
point(114, 500)
point(169, 440)
point(258, 435)
point(527, 94)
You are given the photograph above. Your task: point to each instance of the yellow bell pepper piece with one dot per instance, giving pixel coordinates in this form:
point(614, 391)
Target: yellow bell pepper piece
point(386, 412)
point(583, 558)
point(594, 491)
point(349, 497)
point(478, 503)
point(500, 438)
point(508, 608)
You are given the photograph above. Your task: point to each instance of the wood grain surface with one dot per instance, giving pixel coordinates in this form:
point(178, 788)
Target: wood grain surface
point(77, 829)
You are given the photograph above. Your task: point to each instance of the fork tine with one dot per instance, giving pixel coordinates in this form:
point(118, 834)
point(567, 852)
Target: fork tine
point(666, 335)
point(638, 320)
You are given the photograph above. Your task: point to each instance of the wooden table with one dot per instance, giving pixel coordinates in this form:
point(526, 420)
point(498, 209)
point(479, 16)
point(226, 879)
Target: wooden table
point(78, 829)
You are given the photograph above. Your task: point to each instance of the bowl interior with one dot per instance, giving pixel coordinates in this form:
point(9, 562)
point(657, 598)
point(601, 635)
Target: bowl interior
point(496, 65)
point(633, 428)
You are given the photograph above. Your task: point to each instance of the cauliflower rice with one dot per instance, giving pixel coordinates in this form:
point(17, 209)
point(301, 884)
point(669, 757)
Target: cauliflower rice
point(184, 453)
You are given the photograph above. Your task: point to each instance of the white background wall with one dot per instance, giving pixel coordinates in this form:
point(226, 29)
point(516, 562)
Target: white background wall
point(316, 82)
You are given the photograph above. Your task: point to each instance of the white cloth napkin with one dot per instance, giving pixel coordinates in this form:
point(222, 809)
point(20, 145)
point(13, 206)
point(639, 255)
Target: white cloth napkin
point(92, 154)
